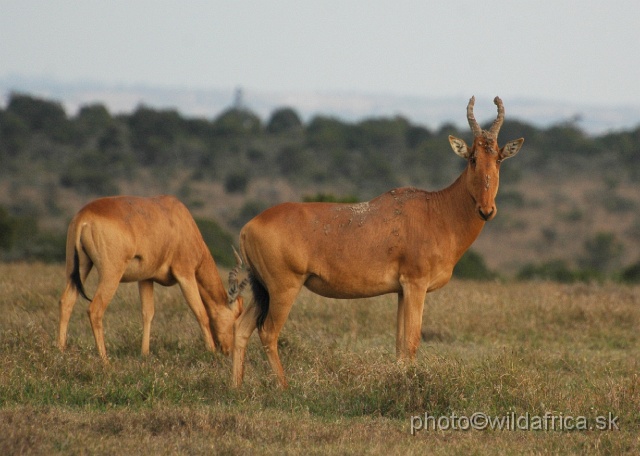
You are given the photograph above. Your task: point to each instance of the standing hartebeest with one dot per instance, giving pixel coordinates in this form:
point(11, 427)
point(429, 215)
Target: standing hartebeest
point(406, 241)
point(146, 240)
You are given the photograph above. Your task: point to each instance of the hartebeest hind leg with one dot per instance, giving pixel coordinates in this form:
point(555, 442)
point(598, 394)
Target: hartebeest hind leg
point(145, 287)
point(279, 308)
point(69, 298)
point(67, 301)
point(107, 286)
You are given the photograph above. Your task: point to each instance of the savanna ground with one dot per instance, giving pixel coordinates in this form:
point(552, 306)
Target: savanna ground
point(491, 347)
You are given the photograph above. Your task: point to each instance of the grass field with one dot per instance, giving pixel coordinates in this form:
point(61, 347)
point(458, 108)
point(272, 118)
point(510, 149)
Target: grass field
point(531, 350)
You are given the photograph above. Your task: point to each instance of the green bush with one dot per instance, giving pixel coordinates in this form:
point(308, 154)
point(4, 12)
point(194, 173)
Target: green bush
point(284, 120)
point(472, 266)
point(294, 161)
point(631, 274)
point(26, 242)
point(42, 116)
point(237, 122)
point(555, 270)
point(48, 247)
point(602, 252)
point(236, 182)
point(558, 271)
point(249, 210)
point(329, 198)
point(7, 229)
point(86, 180)
point(218, 240)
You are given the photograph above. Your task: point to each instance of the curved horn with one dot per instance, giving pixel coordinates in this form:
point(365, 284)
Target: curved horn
point(238, 257)
point(495, 127)
point(475, 128)
point(235, 289)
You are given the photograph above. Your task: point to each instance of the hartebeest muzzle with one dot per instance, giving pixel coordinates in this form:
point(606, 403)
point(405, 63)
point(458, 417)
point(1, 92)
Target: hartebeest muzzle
point(487, 215)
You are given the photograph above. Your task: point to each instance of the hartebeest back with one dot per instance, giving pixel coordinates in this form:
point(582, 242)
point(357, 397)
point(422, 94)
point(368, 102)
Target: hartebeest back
point(406, 241)
point(146, 240)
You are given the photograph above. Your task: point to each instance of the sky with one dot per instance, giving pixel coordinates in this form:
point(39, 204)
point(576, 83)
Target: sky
point(577, 51)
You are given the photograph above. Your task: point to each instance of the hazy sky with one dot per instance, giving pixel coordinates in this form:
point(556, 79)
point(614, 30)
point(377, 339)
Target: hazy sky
point(578, 51)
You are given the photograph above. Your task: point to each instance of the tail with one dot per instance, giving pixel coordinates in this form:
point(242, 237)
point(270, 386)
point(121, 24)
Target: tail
point(75, 275)
point(261, 298)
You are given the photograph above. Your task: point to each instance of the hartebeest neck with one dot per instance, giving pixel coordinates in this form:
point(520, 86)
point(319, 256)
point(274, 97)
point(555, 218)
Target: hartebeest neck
point(212, 290)
point(214, 297)
point(457, 208)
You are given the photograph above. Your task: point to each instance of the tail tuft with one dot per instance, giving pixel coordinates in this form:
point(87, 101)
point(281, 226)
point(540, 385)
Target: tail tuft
point(261, 298)
point(75, 276)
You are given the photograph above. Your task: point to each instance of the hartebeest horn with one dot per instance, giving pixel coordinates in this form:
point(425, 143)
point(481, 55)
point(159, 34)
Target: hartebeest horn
point(235, 289)
point(475, 128)
point(495, 127)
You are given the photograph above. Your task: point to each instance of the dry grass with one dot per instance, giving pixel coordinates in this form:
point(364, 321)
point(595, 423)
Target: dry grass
point(489, 347)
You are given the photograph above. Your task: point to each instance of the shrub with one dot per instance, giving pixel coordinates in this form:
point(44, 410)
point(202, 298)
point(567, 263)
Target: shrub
point(329, 198)
point(556, 270)
point(40, 115)
point(248, 211)
point(218, 240)
point(472, 266)
point(7, 229)
point(602, 252)
point(29, 243)
point(293, 160)
point(87, 180)
point(237, 122)
point(284, 120)
point(236, 182)
point(631, 274)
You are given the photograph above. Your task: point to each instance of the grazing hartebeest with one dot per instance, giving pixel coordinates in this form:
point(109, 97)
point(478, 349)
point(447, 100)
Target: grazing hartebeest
point(406, 241)
point(146, 240)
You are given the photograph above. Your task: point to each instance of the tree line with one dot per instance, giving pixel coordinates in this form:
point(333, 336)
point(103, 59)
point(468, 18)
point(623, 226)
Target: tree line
point(237, 142)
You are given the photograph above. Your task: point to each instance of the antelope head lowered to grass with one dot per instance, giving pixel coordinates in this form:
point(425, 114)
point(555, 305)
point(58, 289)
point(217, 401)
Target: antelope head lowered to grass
point(406, 241)
point(146, 240)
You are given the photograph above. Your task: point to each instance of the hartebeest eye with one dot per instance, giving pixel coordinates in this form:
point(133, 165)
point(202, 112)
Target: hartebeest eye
point(472, 160)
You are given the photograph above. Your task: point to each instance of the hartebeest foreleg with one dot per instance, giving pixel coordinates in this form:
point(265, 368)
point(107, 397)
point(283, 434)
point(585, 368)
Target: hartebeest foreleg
point(145, 287)
point(189, 287)
point(244, 327)
point(409, 324)
point(400, 327)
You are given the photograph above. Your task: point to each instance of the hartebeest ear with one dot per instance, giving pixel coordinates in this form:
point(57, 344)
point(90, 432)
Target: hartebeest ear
point(511, 148)
point(459, 147)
